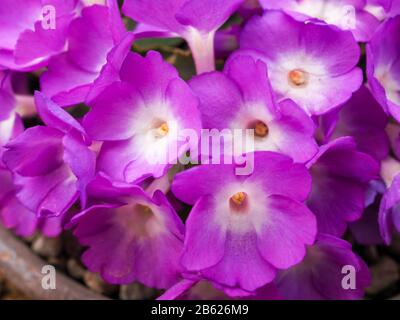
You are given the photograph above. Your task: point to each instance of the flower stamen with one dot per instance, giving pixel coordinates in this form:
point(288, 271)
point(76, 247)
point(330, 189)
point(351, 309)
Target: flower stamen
point(297, 77)
point(238, 198)
point(261, 129)
point(163, 129)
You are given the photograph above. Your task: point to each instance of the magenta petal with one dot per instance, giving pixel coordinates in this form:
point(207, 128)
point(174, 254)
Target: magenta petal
point(53, 116)
point(89, 41)
point(48, 195)
point(340, 180)
point(82, 162)
point(35, 152)
point(219, 98)
point(65, 83)
point(363, 119)
point(283, 238)
point(157, 13)
point(190, 185)
point(40, 43)
point(206, 15)
point(11, 11)
point(278, 175)
point(112, 113)
point(150, 75)
point(110, 71)
point(177, 290)
point(202, 233)
point(320, 276)
point(242, 264)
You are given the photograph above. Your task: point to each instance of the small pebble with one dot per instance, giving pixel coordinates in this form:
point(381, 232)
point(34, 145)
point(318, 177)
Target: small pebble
point(57, 262)
point(47, 247)
point(384, 274)
point(75, 269)
point(137, 291)
point(94, 282)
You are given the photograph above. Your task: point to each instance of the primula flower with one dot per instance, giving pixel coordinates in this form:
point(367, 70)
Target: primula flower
point(319, 276)
point(389, 212)
point(15, 216)
point(254, 224)
point(51, 164)
point(130, 235)
point(194, 20)
point(383, 66)
point(96, 40)
point(363, 119)
point(345, 14)
point(28, 37)
point(141, 118)
point(241, 98)
point(315, 65)
point(341, 176)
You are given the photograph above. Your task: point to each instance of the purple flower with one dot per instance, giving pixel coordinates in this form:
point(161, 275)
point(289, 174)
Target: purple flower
point(254, 224)
point(363, 119)
point(194, 20)
point(97, 41)
point(389, 211)
point(315, 65)
point(52, 164)
point(349, 15)
point(28, 38)
point(341, 176)
point(140, 119)
point(319, 276)
point(241, 98)
point(383, 66)
point(15, 216)
point(131, 236)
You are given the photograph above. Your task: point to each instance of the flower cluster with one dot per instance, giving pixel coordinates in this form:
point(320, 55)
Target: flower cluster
point(240, 182)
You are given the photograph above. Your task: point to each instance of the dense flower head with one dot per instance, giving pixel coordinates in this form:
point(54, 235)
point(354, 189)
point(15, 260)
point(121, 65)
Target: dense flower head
point(211, 149)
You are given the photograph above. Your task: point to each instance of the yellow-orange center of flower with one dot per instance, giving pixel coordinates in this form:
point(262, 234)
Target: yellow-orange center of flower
point(163, 129)
point(297, 77)
point(261, 129)
point(238, 198)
